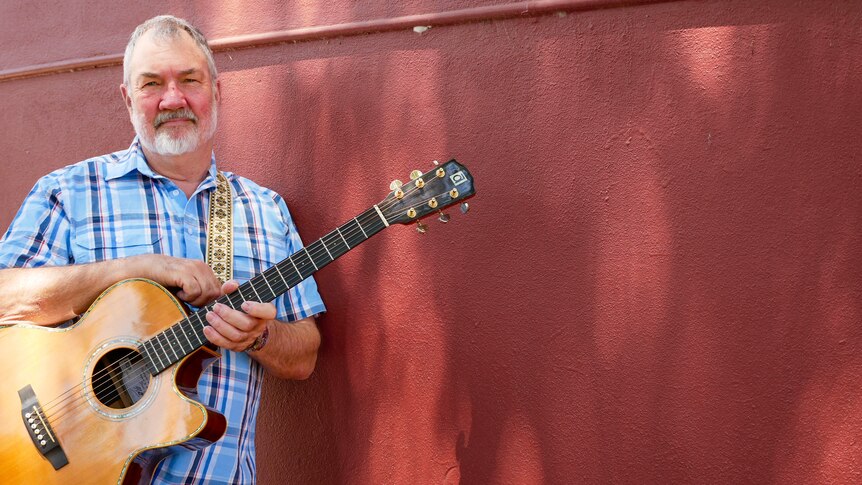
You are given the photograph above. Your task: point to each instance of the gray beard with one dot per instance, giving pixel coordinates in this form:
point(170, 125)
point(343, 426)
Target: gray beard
point(167, 145)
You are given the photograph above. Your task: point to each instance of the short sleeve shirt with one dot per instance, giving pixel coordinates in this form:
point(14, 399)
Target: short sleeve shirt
point(115, 206)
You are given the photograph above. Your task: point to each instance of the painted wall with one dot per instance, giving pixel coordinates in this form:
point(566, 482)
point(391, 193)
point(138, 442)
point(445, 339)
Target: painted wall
point(658, 282)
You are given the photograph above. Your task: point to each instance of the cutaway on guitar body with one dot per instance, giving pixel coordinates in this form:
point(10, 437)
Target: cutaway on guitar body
point(97, 396)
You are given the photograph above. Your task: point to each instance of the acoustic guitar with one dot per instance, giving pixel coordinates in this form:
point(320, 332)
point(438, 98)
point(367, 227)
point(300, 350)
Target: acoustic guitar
point(104, 400)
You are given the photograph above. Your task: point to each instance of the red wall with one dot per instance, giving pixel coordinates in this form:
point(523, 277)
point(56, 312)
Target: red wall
point(659, 279)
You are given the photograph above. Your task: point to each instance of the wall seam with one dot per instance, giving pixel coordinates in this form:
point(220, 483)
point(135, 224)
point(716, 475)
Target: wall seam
point(309, 34)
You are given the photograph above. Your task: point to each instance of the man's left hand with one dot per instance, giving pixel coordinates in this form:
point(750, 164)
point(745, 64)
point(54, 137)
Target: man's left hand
point(237, 330)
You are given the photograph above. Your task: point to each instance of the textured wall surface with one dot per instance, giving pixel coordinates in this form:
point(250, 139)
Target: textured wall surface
point(660, 280)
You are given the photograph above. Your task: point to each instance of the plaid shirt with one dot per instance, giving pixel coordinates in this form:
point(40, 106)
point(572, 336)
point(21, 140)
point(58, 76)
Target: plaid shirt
point(115, 206)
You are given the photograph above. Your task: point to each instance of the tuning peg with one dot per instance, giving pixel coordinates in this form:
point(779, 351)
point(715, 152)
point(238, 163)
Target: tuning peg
point(444, 217)
point(465, 207)
point(415, 174)
point(396, 184)
point(421, 228)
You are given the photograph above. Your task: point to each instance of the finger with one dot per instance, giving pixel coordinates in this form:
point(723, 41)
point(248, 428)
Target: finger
point(239, 319)
point(226, 325)
point(209, 285)
point(229, 286)
point(190, 291)
point(219, 340)
point(263, 311)
point(206, 293)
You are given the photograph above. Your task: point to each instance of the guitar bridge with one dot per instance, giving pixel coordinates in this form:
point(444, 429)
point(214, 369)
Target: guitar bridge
point(39, 429)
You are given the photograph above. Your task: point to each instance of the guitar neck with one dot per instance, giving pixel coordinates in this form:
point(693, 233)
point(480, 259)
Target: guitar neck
point(186, 336)
point(426, 193)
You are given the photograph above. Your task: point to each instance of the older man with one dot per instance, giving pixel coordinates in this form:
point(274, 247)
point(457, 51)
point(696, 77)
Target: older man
point(142, 212)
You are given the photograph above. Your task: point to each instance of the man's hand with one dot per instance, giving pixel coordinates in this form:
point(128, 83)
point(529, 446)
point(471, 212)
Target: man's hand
point(197, 283)
point(237, 330)
point(44, 296)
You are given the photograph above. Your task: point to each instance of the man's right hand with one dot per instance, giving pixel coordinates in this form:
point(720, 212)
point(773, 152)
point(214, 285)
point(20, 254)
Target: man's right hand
point(44, 295)
point(196, 281)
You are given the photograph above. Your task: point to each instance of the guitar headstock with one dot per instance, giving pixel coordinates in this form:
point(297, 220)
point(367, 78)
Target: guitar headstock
point(428, 193)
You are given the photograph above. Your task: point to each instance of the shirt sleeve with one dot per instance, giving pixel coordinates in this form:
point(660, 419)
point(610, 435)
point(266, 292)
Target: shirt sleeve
point(39, 233)
point(302, 300)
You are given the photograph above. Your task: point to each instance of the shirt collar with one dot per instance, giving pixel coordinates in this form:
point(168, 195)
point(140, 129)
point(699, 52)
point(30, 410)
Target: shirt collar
point(134, 159)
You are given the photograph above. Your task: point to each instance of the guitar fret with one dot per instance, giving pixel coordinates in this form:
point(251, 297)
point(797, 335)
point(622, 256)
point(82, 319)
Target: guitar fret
point(177, 340)
point(255, 291)
point(338, 246)
point(342, 238)
point(147, 351)
point(269, 286)
point(297, 269)
point(356, 238)
point(158, 337)
point(323, 243)
point(238, 290)
point(310, 259)
point(284, 281)
point(186, 335)
point(201, 336)
point(360, 228)
point(158, 355)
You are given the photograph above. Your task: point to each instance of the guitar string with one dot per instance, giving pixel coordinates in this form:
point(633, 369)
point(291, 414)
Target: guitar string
point(135, 359)
point(106, 382)
point(103, 382)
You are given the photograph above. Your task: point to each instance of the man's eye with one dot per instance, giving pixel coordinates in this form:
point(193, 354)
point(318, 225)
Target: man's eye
point(191, 81)
point(151, 83)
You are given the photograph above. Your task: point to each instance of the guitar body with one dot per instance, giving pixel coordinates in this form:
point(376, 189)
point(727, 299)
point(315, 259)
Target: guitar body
point(106, 437)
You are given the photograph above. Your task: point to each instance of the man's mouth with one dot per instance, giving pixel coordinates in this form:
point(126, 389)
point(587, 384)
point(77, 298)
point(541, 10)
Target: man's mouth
point(174, 118)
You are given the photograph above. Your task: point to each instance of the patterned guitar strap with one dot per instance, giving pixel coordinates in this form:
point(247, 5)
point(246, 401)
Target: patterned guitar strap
point(220, 233)
point(219, 258)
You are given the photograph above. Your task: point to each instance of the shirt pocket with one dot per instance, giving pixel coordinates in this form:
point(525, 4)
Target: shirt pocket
point(252, 259)
point(87, 248)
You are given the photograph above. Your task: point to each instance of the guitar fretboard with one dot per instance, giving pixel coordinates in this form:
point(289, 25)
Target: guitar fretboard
point(186, 336)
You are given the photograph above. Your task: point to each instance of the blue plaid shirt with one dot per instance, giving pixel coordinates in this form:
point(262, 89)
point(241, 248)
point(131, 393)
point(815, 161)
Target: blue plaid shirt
point(115, 206)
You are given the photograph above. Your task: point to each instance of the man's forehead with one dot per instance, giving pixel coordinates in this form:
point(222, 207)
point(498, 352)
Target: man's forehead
point(182, 72)
point(178, 51)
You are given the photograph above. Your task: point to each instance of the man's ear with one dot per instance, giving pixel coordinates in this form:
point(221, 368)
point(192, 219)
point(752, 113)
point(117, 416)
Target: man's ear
point(127, 98)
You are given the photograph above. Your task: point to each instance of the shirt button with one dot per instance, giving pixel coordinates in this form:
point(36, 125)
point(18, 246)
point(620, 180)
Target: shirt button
point(190, 231)
point(175, 192)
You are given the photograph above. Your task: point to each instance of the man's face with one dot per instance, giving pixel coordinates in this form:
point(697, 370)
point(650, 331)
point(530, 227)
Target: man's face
point(170, 95)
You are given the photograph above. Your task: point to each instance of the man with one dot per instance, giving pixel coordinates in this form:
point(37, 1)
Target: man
point(142, 212)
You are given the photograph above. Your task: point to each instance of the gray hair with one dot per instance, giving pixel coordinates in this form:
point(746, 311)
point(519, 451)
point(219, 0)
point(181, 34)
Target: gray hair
point(168, 27)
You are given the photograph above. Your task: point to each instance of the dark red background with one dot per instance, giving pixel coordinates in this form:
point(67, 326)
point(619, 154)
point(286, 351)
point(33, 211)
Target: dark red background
point(658, 282)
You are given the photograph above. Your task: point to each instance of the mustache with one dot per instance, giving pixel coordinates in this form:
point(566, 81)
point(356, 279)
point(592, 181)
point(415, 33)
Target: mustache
point(182, 113)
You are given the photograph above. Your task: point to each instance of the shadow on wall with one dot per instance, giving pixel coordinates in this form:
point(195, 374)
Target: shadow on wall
point(659, 278)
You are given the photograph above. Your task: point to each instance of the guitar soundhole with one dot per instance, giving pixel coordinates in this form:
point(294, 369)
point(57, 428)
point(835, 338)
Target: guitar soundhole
point(120, 378)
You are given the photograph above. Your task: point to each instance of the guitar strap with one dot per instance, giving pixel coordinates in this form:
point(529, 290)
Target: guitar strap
point(220, 233)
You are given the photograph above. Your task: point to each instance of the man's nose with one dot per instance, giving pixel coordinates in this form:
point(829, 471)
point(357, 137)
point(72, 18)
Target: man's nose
point(173, 98)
